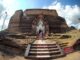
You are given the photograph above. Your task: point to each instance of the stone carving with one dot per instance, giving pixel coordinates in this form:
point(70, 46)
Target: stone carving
point(40, 26)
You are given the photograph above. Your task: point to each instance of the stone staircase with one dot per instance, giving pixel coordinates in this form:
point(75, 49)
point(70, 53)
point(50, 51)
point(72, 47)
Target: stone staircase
point(42, 49)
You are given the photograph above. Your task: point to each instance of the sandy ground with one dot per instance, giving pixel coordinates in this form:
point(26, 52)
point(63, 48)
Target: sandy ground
point(71, 56)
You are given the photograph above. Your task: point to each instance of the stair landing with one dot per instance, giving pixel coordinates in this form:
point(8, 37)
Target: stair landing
point(44, 42)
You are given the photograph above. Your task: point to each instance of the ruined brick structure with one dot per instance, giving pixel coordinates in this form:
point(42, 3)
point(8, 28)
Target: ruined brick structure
point(22, 21)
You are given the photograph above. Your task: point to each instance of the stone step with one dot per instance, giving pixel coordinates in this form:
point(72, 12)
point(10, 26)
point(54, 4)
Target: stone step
point(46, 49)
point(43, 44)
point(43, 47)
point(44, 53)
point(45, 56)
point(39, 56)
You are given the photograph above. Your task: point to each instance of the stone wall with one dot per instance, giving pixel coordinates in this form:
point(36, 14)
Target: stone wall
point(14, 23)
point(22, 21)
point(41, 11)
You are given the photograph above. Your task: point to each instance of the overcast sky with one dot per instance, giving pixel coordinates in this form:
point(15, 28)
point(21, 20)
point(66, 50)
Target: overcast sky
point(69, 9)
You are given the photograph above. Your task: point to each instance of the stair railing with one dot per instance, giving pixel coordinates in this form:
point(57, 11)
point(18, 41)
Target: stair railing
point(27, 50)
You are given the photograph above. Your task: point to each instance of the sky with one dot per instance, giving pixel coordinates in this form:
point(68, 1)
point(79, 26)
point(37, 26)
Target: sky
point(68, 9)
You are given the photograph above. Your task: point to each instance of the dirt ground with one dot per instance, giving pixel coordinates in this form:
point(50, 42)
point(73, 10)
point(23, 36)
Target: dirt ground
point(71, 56)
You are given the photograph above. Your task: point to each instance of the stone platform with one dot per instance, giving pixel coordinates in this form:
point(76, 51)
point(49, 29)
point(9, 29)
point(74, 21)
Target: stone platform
point(44, 42)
